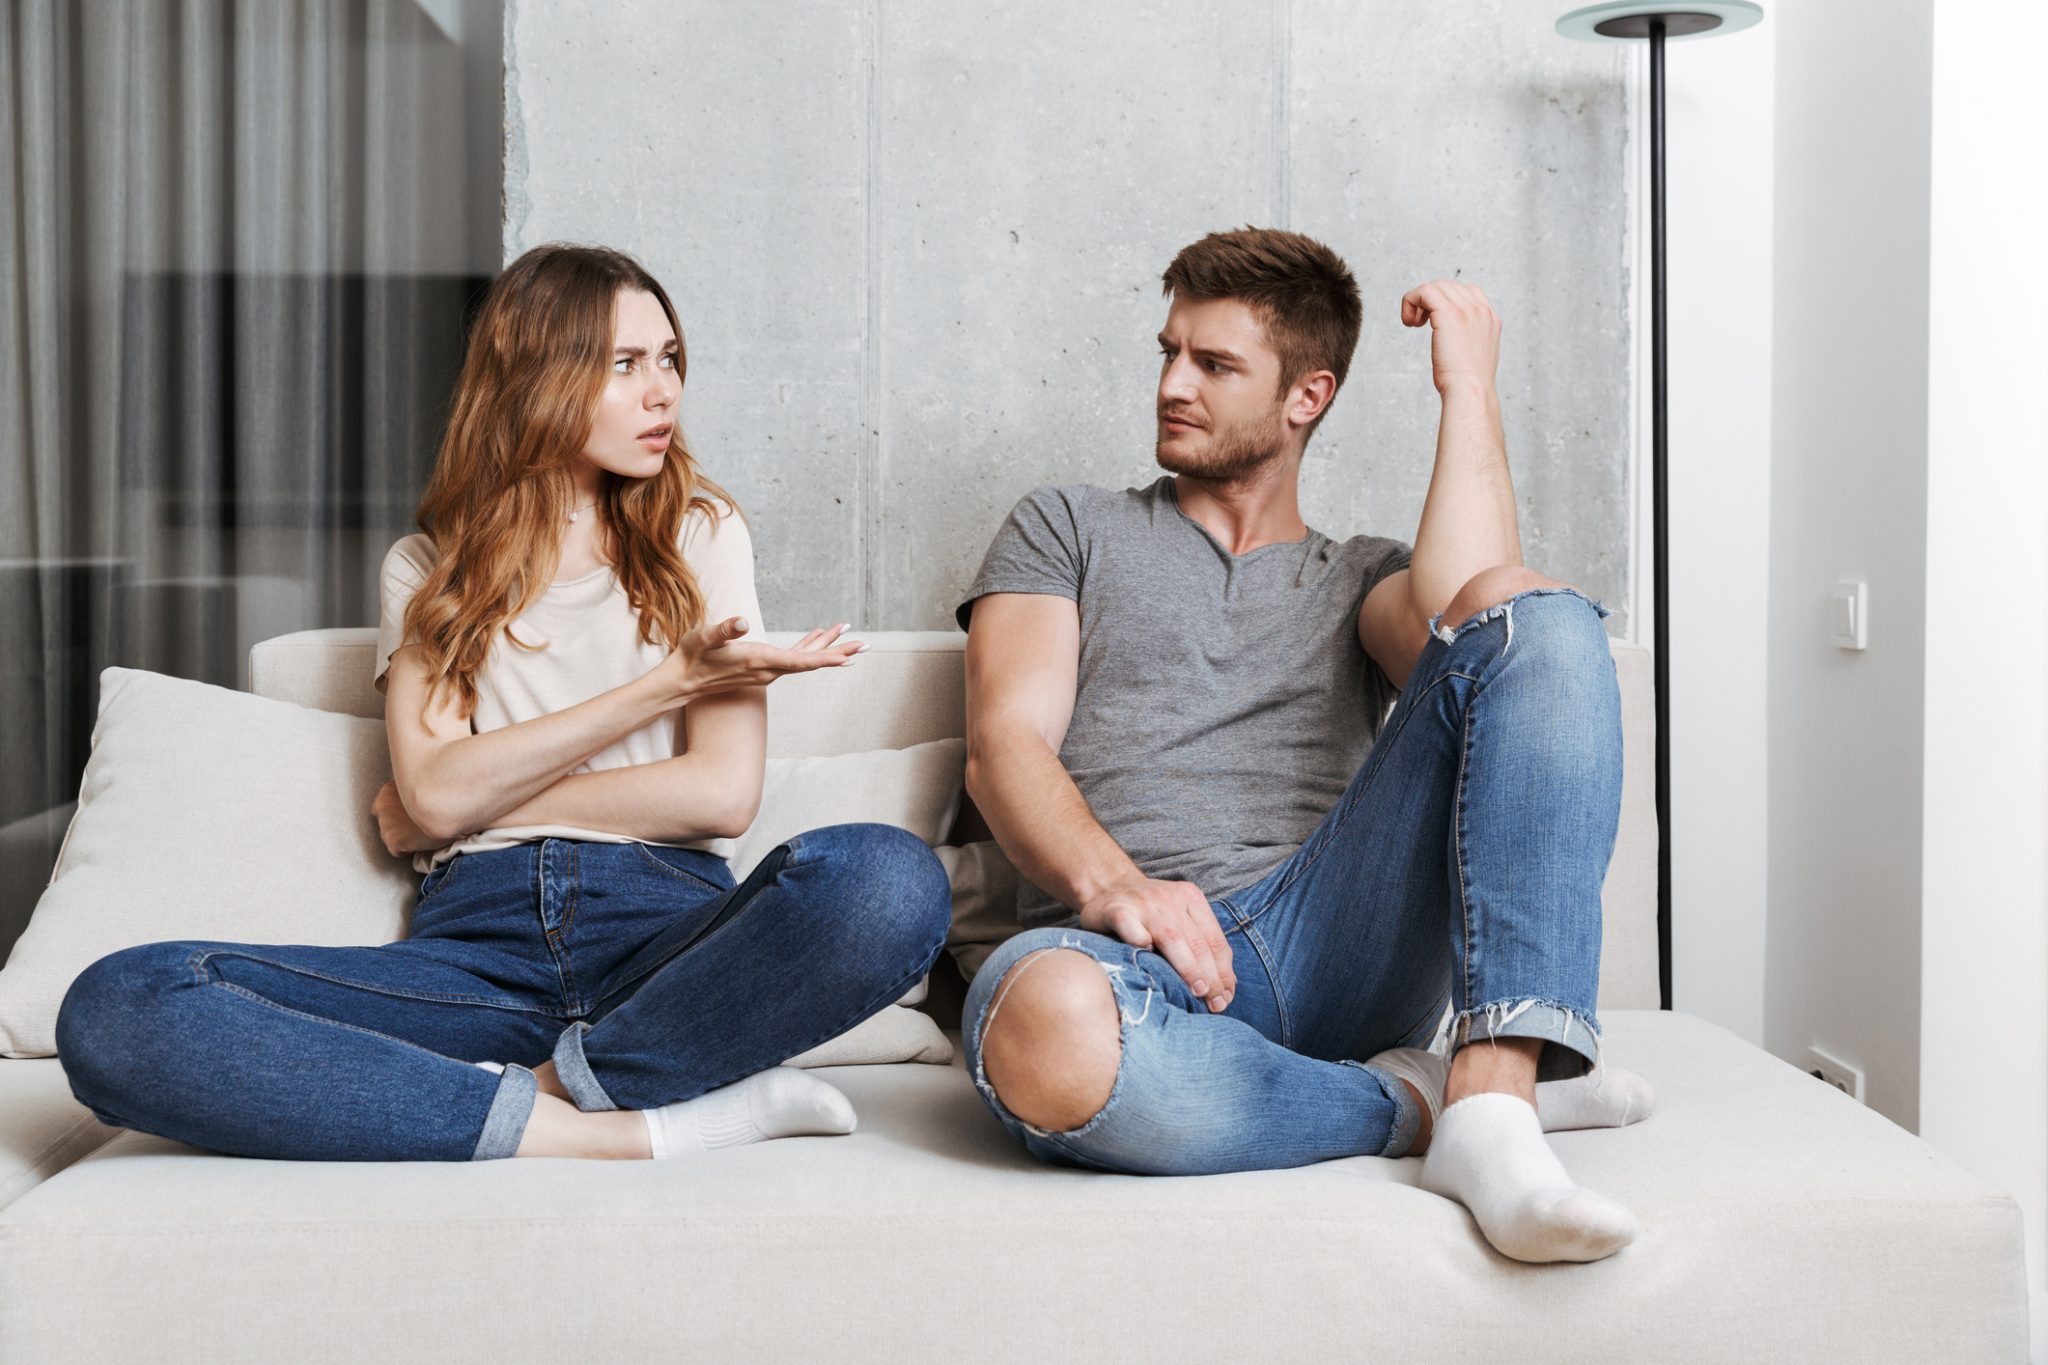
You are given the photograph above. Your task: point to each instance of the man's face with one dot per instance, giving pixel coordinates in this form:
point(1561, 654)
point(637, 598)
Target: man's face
point(1221, 410)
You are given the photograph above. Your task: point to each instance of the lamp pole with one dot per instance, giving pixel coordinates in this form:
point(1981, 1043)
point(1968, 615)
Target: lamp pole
point(1626, 22)
point(1660, 512)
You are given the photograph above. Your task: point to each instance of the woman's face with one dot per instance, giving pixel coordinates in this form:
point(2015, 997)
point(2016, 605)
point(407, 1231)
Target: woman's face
point(637, 409)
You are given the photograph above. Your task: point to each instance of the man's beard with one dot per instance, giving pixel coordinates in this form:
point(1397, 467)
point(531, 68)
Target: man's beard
point(1232, 452)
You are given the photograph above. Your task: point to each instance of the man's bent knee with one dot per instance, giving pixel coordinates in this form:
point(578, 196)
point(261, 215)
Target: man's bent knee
point(1053, 1039)
point(1490, 588)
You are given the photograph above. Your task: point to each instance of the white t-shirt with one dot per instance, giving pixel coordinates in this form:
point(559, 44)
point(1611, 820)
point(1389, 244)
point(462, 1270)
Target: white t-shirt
point(593, 644)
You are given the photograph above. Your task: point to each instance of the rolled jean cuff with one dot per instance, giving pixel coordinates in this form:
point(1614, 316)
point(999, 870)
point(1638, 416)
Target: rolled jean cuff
point(573, 1071)
point(510, 1108)
point(1407, 1125)
point(1550, 1020)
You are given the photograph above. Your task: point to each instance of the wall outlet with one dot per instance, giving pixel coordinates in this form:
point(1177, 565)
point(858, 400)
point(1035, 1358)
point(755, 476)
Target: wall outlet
point(1837, 1073)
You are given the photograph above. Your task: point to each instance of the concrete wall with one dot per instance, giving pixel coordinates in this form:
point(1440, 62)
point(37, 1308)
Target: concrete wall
point(916, 249)
point(1848, 501)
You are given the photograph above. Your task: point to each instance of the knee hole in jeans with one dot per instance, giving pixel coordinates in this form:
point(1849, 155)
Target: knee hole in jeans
point(1489, 588)
point(1053, 1041)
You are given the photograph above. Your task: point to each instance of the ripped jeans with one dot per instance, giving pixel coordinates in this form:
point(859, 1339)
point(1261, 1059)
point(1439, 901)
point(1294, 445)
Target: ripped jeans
point(1454, 890)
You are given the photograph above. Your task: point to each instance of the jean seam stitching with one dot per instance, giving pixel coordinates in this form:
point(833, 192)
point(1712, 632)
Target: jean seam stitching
point(1434, 1011)
point(1258, 943)
point(1376, 761)
point(268, 1003)
point(700, 939)
point(200, 959)
point(676, 872)
point(575, 889)
point(560, 943)
point(568, 994)
point(1458, 849)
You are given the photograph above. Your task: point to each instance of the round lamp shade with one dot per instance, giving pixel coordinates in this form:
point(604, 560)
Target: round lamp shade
point(1627, 20)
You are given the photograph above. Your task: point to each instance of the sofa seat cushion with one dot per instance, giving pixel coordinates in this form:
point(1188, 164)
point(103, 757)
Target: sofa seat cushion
point(42, 1128)
point(1780, 1221)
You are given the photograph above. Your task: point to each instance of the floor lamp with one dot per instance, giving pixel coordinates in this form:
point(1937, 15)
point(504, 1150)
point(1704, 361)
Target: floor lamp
point(1658, 22)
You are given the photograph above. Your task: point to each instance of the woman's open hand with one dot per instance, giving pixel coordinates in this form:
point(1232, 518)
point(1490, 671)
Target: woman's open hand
point(712, 658)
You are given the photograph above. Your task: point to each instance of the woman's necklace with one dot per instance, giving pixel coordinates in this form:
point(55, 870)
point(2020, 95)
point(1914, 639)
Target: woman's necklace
point(584, 508)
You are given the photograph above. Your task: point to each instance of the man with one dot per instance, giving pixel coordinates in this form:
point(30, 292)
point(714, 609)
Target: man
point(1242, 882)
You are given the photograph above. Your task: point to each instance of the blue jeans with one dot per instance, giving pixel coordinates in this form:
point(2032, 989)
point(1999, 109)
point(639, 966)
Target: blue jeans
point(642, 971)
point(1462, 866)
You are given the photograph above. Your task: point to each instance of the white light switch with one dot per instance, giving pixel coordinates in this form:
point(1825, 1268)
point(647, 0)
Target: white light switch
point(1849, 616)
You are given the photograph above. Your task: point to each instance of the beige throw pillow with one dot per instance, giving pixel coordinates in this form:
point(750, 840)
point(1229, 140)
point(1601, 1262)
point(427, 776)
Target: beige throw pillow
point(207, 813)
point(984, 902)
point(917, 789)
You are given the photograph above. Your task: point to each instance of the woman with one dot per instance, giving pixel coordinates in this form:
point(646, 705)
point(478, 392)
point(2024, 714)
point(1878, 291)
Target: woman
point(576, 722)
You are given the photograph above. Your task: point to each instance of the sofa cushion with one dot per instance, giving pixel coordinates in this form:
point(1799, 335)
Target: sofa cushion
point(917, 788)
point(1780, 1221)
point(984, 902)
point(909, 688)
point(42, 1128)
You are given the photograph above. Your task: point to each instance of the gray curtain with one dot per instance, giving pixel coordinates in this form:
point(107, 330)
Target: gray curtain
point(237, 242)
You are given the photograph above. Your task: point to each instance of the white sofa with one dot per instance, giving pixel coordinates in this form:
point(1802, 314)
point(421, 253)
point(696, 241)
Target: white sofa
point(1781, 1221)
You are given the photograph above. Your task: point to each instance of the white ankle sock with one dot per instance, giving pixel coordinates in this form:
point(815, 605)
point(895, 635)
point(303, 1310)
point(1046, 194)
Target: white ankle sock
point(781, 1101)
point(1488, 1153)
point(1609, 1098)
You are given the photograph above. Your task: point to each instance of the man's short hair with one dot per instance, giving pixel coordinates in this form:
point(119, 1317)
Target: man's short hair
point(1299, 289)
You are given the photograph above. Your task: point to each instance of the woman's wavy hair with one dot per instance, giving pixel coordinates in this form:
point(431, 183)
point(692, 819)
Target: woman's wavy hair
point(501, 493)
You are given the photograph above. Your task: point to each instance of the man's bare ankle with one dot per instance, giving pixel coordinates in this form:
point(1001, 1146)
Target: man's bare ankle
point(1505, 1066)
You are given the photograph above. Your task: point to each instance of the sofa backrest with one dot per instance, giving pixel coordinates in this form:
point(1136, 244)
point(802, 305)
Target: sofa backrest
point(908, 688)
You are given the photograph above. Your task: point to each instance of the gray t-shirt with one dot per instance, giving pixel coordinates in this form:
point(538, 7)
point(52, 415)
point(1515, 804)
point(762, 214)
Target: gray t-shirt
point(1222, 702)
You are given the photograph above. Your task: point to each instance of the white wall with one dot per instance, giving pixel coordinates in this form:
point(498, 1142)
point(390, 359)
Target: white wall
point(1848, 501)
point(1984, 942)
point(1718, 101)
point(1874, 845)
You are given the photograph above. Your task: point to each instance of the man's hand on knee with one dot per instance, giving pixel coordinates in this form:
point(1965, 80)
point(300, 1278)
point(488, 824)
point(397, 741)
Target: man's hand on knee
point(1174, 920)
